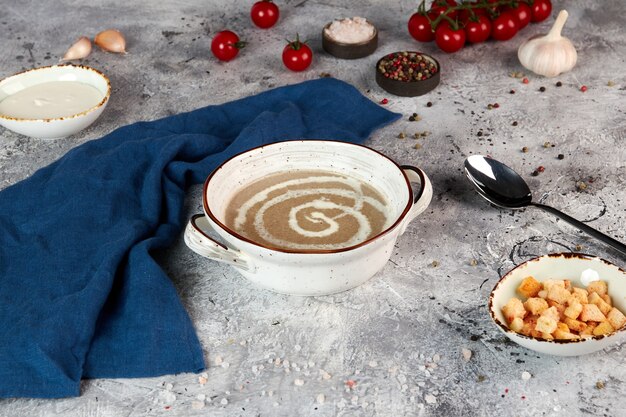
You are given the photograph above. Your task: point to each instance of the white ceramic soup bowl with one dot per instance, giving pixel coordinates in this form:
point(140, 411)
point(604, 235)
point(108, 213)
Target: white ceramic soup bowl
point(560, 266)
point(56, 127)
point(307, 272)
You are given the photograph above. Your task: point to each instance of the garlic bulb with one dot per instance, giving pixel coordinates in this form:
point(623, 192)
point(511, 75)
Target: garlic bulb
point(551, 54)
point(80, 49)
point(111, 40)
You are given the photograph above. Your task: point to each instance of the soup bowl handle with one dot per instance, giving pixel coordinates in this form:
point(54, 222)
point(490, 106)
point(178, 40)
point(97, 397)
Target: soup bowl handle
point(422, 197)
point(201, 243)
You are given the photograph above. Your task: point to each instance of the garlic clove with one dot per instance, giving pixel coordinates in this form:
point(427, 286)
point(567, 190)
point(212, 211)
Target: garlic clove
point(550, 54)
point(79, 49)
point(111, 40)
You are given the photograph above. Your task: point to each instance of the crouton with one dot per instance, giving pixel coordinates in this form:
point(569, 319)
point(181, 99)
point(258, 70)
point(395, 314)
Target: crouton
point(588, 331)
point(560, 308)
point(551, 313)
point(568, 284)
point(529, 287)
point(594, 298)
point(599, 287)
point(607, 299)
point(575, 325)
point(546, 324)
point(603, 328)
point(535, 305)
point(542, 294)
point(591, 312)
point(514, 308)
point(547, 336)
point(549, 283)
point(564, 335)
point(574, 309)
point(558, 294)
point(517, 324)
point(529, 325)
point(562, 326)
point(616, 318)
point(580, 295)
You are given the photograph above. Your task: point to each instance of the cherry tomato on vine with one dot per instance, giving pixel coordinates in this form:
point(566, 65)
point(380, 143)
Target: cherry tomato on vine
point(420, 29)
point(264, 14)
point(226, 45)
point(478, 29)
point(465, 15)
point(297, 55)
point(504, 27)
point(540, 10)
point(521, 13)
point(440, 6)
point(449, 39)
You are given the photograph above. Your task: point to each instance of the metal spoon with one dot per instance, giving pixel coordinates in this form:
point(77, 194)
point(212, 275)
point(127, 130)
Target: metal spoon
point(505, 188)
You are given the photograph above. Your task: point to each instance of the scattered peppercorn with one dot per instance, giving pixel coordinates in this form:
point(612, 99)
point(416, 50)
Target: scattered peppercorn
point(490, 106)
point(561, 156)
point(542, 89)
point(384, 101)
point(496, 105)
point(600, 384)
point(401, 135)
point(583, 88)
point(481, 378)
point(325, 75)
point(480, 133)
point(579, 247)
point(547, 145)
point(514, 124)
point(512, 92)
point(417, 146)
point(473, 262)
point(559, 84)
point(581, 186)
point(525, 149)
point(535, 173)
point(435, 264)
point(525, 80)
point(429, 104)
point(411, 118)
point(610, 83)
point(416, 135)
point(541, 168)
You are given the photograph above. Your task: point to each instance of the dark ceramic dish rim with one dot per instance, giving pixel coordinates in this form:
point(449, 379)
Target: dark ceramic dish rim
point(233, 233)
point(71, 116)
point(566, 255)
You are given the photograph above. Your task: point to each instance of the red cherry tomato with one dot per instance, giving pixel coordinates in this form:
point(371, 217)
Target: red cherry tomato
point(448, 39)
point(504, 27)
point(264, 14)
point(420, 29)
point(226, 45)
point(440, 6)
point(478, 29)
point(297, 56)
point(540, 10)
point(521, 13)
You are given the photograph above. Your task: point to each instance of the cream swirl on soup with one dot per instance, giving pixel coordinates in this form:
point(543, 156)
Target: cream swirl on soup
point(308, 210)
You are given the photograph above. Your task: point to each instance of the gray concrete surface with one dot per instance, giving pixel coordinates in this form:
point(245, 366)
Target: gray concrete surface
point(400, 336)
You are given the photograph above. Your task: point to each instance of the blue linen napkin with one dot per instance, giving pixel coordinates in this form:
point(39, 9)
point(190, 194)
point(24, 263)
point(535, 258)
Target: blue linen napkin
point(80, 294)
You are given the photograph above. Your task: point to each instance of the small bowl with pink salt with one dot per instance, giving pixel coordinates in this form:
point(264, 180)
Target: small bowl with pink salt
point(350, 38)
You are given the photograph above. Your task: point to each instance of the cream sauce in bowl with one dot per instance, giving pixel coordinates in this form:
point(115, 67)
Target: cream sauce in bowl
point(51, 100)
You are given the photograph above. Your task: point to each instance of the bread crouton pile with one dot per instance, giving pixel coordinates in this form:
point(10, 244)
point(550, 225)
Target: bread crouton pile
point(554, 309)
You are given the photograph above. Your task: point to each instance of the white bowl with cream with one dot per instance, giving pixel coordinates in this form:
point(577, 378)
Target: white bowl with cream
point(572, 266)
point(316, 271)
point(53, 102)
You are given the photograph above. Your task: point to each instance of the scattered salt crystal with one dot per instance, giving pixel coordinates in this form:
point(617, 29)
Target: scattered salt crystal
point(467, 354)
point(557, 408)
point(224, 401)
point(286, 363)
point(168, 397)
point(311, 364)
point(436, 358)
point(412, 398)
point(404, 387)
point(242, 343)
point(430, 399)
point(227, 392)
point(169, 386)
point(427, 373)
point(262, 393)
point(277, 362)
point(297, 348)
point(325, 375)
point(373, 364)
point(270, 393)
point(526, 376)
point(197, 405)
point(225, 365)
point(320, 398)
point(357, 372)
point(202, 380)
point(201, 397)
point(298, 382)
point(261, 366)
point(421, 367)
point(218, 360)
point(354, 399)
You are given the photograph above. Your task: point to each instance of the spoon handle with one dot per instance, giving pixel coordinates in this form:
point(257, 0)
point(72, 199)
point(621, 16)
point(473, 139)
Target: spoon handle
point(582, 226)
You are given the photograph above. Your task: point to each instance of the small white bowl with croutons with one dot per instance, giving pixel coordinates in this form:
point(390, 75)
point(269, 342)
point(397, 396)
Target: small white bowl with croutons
point(563, 304)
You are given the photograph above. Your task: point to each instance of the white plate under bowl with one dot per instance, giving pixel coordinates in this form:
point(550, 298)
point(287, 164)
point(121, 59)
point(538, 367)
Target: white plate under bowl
point(57, 127)
point(560, 266)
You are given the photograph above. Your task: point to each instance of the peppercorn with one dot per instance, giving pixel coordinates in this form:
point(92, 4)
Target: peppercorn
point(559, 84)
point(401, 135)
point(514, 124)
point(547, 145)
point(583, 88)
point(610, 83)
point(490, 106)
point(414, 114)
point(411, 118)
point(480, 133)
point(496, 105)
point(525, 80)
point(384, 101)
point(417, 146)
point(561, 156)
point(473, 262)
point(429, 104)
point(512, 92)
point(525, 149)
point(542, 89)
point(535, 173)
point(541, 168)
point(435, 264)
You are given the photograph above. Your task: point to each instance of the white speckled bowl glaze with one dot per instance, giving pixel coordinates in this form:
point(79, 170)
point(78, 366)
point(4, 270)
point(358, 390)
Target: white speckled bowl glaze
point(312, 272)
point(59, 127)
point(560, 266)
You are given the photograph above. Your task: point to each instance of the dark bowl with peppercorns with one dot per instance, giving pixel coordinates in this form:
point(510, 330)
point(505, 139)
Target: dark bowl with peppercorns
point(407, 73)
